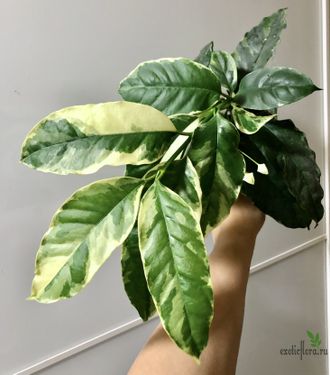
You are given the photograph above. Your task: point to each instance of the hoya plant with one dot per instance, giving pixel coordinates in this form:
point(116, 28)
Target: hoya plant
point(193, 134)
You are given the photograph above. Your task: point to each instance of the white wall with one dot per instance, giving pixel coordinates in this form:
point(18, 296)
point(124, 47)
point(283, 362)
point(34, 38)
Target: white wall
point(59, 53)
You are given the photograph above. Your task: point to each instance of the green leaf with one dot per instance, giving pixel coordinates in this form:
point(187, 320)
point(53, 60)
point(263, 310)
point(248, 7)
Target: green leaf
point(248, 122)
point(182, 178)
point(139, 171)
point(269, 88)
point(204, 56)
point(182, 120)
point(220, 165)
point(82, 235)
point(82, 139)
point(291, 193)
point(180, 140)
point(133, 276)
point(258, 45)
point(176, 266)
point(173, 86)
point(224, 67)
point(132, 269)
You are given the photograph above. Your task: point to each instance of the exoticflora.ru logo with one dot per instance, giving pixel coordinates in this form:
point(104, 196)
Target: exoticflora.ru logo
point(311, 348)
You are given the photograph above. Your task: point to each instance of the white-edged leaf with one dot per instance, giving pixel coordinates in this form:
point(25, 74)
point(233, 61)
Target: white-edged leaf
point(176, 266)
point(220, 165)
point(182, 177)
point(259, 43)
point(81, 139)
point(82, 235)
point(247, 122)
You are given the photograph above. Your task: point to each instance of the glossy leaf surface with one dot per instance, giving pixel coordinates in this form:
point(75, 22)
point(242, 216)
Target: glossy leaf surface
point(133, 276)
point(82, 139)
point(247, 122)
point(291, 193)
point(224, 67)
point(182, 120)
point(182, 178)
point(269, 88)
point(178, 272)
point(82, 235)
point(173, 85)
point(215, 155)
point(204, 56)
point(258, 45)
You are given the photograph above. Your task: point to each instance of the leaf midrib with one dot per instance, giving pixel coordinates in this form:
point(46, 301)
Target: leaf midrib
point(90, 137)
point(170, 87)
point(89, 231)
point(174, 263)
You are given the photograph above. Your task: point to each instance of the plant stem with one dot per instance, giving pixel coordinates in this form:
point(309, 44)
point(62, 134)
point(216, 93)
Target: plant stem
point(172, 158)
point(249, 157)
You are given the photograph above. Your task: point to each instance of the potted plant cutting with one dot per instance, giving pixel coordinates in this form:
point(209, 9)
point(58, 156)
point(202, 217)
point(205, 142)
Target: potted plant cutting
point(193, 134)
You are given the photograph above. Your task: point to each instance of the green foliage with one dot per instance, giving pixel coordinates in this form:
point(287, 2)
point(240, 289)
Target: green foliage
point(258, 45)
point(191, 133)
point(220, 166)
point(83, 234)
point(247, 122)
point(178, 268)
point(269, 88)
point(133, 276)
point(171, 85)
point(204, 56)
point(224, 67)
point(291, 193)
point(81, 139)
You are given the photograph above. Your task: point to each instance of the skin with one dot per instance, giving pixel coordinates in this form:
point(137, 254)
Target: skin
point(230, 260)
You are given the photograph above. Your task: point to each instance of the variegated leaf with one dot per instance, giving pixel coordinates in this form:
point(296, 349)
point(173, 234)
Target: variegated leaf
point(259, 43)
point(82, 139)
point(247, 122)
point(139, 171)
point(178, 272)
point(181, 177)
point(182, 120)
point(133, 276)
point(82, 235)
point(224, 67)
point(131, 264)
point(220, 166)
point(180, 140)
point(204, 56)
point(176, 85)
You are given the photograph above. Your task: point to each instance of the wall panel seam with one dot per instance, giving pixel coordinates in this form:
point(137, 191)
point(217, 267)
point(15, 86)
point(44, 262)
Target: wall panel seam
point(110, 334)
point(325, 25)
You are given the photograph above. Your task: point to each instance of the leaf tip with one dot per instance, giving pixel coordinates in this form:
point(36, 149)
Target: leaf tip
point(197, 360)
point(249, 178)
point(262, 168)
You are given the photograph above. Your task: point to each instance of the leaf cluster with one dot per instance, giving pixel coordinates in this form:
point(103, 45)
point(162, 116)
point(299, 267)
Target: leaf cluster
point(193, 134)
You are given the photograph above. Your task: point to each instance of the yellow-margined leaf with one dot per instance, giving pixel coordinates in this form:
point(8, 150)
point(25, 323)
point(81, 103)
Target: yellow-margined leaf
point(81, 139)
point(82, 235)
